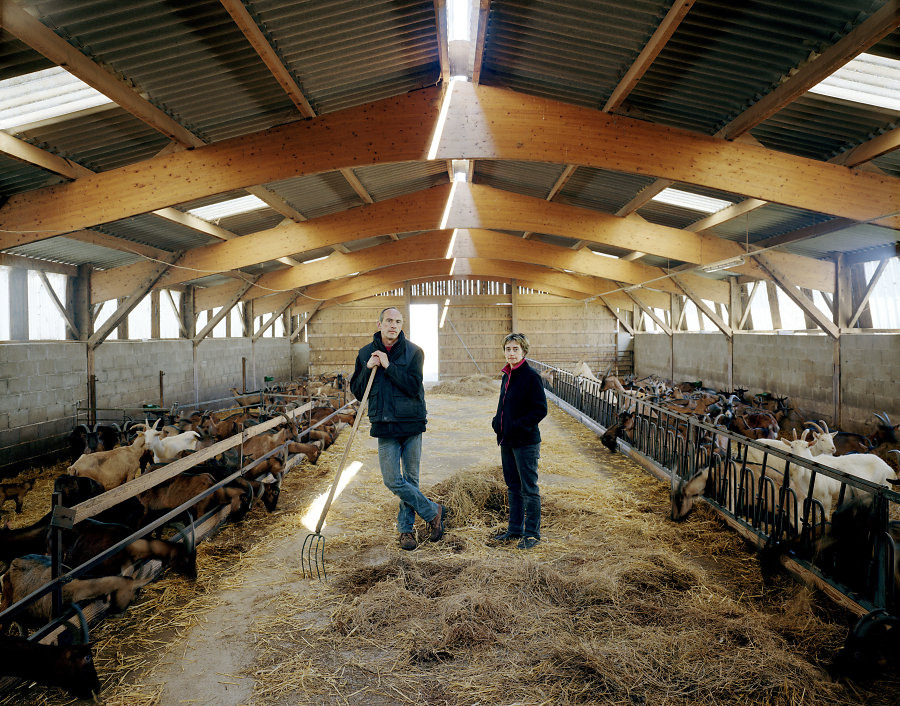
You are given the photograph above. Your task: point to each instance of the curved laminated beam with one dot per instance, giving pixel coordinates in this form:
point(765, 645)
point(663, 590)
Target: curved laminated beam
point(474, 207)
point(482, 123)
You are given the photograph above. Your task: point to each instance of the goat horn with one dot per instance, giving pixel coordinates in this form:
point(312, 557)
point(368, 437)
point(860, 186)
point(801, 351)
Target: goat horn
point(884, 418)
point(824, 425)
point(815, 426)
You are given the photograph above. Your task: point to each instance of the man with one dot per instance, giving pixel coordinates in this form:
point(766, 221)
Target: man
point(397, 413)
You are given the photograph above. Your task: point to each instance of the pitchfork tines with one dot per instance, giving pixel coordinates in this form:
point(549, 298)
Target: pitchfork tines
point(313, 550)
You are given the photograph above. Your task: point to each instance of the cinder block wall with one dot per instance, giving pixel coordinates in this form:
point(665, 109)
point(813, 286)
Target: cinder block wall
point(702, 357)
point(798, 366)
point(40, 384)
point(652, 355)
point(128, 372)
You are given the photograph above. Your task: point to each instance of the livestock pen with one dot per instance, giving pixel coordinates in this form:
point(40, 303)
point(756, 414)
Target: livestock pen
point(616, 603)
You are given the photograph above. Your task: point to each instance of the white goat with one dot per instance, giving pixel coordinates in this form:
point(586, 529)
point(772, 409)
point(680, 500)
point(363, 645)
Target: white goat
point(166, 449)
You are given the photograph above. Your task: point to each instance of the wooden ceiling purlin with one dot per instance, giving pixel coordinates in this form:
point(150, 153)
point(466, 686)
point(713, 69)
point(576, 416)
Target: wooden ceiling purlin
point(880, 24)
point(476, 243)
point(422, 211)
point(483, 123)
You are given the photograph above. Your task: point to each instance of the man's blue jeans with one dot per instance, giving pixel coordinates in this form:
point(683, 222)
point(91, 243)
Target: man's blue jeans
point(404, 482)
point(520, 466)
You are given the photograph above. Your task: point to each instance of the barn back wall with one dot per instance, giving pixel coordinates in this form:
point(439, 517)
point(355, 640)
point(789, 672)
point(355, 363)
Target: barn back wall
point(799, 366)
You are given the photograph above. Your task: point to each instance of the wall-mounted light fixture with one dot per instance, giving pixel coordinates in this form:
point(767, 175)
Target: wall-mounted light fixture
point(723, 264)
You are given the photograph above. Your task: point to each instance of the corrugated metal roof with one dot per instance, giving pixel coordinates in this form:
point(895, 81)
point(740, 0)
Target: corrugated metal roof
point(528, 178)
point(573, 52)
point(821, 127)
point(346, 53)
point(726, 55)
point(319, 194)
point(388, 181)
point(158, 232)
point(17, 177)
point(75, 252)
point(602, 190)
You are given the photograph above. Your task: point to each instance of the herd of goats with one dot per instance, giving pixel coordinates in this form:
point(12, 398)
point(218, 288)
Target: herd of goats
point(108, 455)
point(823, 495)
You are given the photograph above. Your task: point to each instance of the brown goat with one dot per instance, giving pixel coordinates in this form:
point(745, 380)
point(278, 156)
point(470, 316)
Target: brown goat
point(15, 491)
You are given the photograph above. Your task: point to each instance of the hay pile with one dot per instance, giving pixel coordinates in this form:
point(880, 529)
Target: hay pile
point(603, 612)
point(467, 386)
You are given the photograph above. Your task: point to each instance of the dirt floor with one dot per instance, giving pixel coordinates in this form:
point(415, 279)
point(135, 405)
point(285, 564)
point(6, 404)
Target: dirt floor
point(615, 605)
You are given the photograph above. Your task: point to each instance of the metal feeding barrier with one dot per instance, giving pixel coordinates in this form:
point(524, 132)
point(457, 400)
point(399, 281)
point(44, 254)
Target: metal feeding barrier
point(758, 500)
point(312, 553)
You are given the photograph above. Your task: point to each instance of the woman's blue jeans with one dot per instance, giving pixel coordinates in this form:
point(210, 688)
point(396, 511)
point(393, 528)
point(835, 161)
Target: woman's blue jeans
point(399, 461)
point(520, 466)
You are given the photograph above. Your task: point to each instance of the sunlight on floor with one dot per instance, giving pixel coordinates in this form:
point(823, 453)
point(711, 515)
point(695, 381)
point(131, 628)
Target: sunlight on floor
point(311, 517)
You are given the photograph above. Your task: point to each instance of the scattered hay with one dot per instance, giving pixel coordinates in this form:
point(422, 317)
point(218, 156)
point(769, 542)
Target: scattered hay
point(478, 385)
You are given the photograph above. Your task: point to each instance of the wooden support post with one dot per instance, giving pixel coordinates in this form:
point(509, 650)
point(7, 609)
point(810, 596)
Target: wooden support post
point(514, 298)
point(122, 328)
point(774, 307)
point(154, 315)
point(78, 302)
point(188, 314)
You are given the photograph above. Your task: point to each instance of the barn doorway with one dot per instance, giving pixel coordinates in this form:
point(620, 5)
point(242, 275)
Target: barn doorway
point(423, 331)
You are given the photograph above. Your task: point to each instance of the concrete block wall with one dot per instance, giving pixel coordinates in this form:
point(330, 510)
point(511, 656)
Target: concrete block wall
point(652, 355)
point(128, 372)
point(878, 389)
point(798, 366)
point(299, 359)
point(40, 386)
point(701, 357)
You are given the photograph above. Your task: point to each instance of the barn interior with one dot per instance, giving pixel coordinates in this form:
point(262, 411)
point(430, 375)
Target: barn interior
point(207, 198)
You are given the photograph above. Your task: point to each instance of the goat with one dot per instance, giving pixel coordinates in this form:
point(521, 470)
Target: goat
point(74, 490)
point(885, 433)
point(268, 489)
point(111, 468)
point(622, 428)
point(166, 449)
point(24, 540)
point(29, 573)
point(70, 667)
point(101, 437)
point(175, 492)
point(88, 538)
point(15, 491)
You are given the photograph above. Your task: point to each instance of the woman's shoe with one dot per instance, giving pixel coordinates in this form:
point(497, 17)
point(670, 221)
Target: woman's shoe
point(528, 542)
point(506, 536)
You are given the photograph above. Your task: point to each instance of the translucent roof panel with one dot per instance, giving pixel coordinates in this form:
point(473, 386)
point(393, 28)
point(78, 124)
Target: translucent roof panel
point(44, 95)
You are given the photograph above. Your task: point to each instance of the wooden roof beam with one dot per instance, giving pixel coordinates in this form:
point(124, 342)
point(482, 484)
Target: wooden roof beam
point(880, 24)
point(483, 123)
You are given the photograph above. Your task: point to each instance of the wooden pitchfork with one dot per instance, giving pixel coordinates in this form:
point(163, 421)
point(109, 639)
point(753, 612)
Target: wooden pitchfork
point(313, 551)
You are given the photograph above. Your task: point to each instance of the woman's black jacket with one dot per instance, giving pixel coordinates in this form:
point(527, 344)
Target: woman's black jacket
point(397, 399)
point(522, 405)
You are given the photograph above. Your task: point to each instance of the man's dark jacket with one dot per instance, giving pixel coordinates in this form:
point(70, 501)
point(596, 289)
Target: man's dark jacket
point(397, 399)
point(522, 405)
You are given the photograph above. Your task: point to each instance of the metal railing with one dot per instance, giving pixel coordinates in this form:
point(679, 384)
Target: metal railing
point(758, 499)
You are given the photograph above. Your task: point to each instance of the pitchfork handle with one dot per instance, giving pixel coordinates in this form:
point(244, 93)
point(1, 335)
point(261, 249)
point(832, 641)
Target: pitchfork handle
point(334, 485)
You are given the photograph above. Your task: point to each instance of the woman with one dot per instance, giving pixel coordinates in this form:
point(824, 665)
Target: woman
point(522, 405)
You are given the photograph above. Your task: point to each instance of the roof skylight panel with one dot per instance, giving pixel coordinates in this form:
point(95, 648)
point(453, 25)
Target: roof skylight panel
point(232, 207)
point(867, 79)
point(693, 202)
point(44, 95)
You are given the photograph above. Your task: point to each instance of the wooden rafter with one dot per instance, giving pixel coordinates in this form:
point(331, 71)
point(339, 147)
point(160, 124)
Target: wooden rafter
point(797, 296)
point(864, 299)
point(131, 301)
point(615, 312)
point(648, 310)
point(58, 304)
point(272, 319)
point(702, 306)
point(223, 312)
point(881, 23)
point(484, 10)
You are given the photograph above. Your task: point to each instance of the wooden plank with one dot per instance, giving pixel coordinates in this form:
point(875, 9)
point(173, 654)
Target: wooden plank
point(112, 497)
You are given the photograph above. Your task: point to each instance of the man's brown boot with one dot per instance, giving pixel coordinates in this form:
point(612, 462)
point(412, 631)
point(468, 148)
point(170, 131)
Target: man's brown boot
point(408, 541)
point(437, 524)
